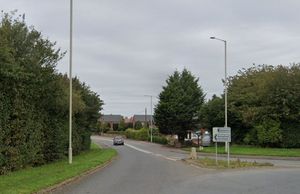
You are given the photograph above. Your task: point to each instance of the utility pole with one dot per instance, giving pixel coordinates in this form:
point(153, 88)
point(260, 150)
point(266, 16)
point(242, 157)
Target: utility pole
point(151, 116)
point(70, 77)
point(146, 121)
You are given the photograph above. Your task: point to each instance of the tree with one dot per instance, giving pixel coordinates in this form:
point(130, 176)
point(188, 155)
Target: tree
point(122, 125)
point(34, 100)
point(138, 125)
point(179, 104)
point(266, 99)
point(269, 133)
point(212, 113)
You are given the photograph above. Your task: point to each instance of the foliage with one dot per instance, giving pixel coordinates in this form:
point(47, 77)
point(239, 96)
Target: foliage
point(34, 100)
point(104, 127)
point(158, 139)
point(116, 132)
point(138, 125)
point(269, 133)
point(141, 134)
point(212, 113)
point(267, 100)
point(122, 125)
point(263, 106)
point(179, 104)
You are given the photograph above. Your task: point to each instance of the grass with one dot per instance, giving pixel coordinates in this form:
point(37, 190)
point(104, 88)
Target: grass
point(31, 180)
point(222, 164)
point(255, 151)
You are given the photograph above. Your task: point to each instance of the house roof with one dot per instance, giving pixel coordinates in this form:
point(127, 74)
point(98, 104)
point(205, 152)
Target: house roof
point(111, 118)
point(141, 118)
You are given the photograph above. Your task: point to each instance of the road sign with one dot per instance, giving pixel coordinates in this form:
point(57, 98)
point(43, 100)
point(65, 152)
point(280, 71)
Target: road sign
point(221, 134)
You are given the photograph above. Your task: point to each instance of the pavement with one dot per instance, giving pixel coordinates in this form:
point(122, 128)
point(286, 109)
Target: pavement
point(146, 168)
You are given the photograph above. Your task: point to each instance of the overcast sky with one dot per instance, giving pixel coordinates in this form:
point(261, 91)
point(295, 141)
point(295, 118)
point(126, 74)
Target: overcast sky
point(125, 49)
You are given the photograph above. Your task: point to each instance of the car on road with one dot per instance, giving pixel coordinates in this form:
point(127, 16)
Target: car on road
point(118, 140)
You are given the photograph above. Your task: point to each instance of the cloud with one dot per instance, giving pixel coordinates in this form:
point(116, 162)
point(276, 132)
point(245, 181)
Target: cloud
point(125, 49)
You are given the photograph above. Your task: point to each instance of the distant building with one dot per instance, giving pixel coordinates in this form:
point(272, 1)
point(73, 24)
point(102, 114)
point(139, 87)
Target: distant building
point(128, 119)
point(144, 119)
point(111, 119)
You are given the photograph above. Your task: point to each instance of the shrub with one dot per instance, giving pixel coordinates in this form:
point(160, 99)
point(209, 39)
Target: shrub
point(159, 139)
point(138, 125)
point(116, 132)
point(141, 134)
point(269, 133)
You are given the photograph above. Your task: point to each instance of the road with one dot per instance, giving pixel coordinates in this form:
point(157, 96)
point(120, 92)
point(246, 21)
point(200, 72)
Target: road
point(145, 168)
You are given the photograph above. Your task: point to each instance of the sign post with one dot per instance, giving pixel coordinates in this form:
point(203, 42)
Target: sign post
point(216, 153)
point(222, 134)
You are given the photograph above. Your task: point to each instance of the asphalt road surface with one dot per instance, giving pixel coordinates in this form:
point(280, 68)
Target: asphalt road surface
point(145, 168)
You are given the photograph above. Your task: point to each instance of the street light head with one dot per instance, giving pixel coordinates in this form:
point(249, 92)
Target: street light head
point(212, 37)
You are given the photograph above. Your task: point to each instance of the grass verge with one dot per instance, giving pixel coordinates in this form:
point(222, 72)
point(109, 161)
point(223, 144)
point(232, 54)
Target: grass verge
point(31, 180)
point(255, 151)
point(222, 164)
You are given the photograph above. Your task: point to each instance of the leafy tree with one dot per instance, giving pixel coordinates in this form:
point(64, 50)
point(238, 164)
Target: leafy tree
point(122, 125)
point(269, 133)
point(179, 104)
point(212, 113)
point(265, 93)
point(34, 100)
point(104, 127)
point(138, 125)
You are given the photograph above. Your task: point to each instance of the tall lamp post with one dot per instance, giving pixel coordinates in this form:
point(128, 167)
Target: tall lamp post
point(151, 116)
point(225, 84)
point(70, 77)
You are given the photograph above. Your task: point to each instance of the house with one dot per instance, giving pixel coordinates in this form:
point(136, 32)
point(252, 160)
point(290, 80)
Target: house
point(111, 119)
point(144, 119)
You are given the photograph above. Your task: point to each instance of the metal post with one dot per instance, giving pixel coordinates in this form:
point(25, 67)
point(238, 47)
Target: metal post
point(151, 119)
point(70, 77)
point(228, 156)
point(216, 153)
point(225, 85)
point(146, 122)
point(225, 90)
point(151, 116)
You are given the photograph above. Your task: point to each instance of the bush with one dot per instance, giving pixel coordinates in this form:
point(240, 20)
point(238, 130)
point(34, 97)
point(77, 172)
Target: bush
point(291, 135)
point(141, 134)
point(116, 132)
point(159, 139)
point(138, 125)
point(104, 127)
point(269, 133)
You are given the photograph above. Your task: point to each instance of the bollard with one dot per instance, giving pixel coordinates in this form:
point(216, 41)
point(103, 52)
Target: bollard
point(193, 153)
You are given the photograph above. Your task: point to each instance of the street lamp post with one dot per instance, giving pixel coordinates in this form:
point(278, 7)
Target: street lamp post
point(225, 84)
point(151, 116)
point(70, 77)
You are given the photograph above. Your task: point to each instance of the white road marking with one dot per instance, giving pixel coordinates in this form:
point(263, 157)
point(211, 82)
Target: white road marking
point(168, 158)
point(138, 149)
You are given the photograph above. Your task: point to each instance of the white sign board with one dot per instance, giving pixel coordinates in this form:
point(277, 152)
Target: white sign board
point(221, 134)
